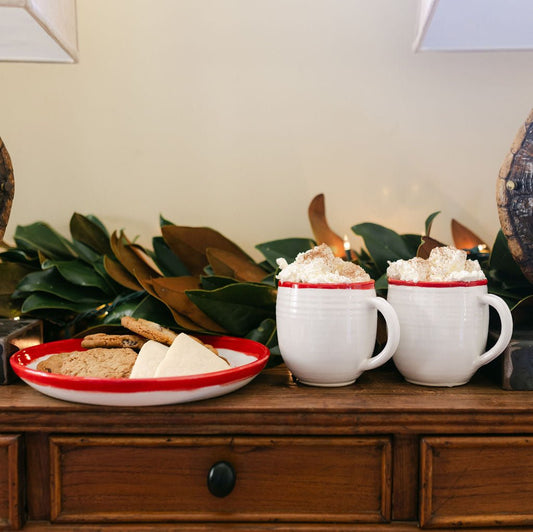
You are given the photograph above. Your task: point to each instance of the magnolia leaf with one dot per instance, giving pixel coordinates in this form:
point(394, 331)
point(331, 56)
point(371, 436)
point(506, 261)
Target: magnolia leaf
point(171, 290)
point(271, 280)
point(238, 307)
point(47, 301)
point(212, 282)
point(130, 259)
point(185, 323)
point(502, 260)
point(148, 287)
point(99, 267)
point(267, 267)
point(20, 256)
point(426, 246)
point(264, 333)
point(523, 314)
point(51, 282)
point(382, 244)
point(287, 248)
point(152, 309)
point(11, 273)
point(194, 260)
point(463, 238)
point(180, 319)
point(228, 264)
point(506, 279)
point(42, 258)
point(78, 273)
point(521, 289)
point(84, 252)
point(365, 261)
point(321, 230)
point(42, 238)
point(412, 242)
point(141, 306)
point(163, 221)
point(98, 222)
point(169, 263)
point(120, 275)
point(105, 328)
point(123, 305)
point(190, 245)
point(25, 247)
point(381, 284)
point(91, 234)
point(510, 295)
point(363, 255)
point(55, 322)
point(429, 222)
point(146, 257)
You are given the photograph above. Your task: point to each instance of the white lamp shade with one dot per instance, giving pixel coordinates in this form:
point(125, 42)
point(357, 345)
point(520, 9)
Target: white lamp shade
point(470, 25)
point(38, 30)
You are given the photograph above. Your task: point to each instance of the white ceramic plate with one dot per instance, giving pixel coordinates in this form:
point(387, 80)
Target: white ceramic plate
point(246, 357)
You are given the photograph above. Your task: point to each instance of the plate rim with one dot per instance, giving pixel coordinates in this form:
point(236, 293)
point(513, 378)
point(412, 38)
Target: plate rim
point(23, 357)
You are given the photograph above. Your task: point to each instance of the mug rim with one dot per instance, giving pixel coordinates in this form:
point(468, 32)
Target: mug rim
point(438, 284)
point(362, 285)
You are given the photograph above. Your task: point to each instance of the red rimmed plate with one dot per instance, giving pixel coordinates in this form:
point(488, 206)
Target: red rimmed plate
point(246, 357)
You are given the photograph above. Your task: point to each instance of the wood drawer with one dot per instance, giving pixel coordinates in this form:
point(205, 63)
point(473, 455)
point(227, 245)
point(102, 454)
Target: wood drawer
point(10, 481)
point(476, 481)
point(290, 479)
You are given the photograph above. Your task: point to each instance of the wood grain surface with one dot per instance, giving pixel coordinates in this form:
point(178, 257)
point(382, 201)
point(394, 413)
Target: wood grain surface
point(381, 454)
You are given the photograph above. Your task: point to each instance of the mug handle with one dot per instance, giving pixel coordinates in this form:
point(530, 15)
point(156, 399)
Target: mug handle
point(506, 331)
point(393, 333)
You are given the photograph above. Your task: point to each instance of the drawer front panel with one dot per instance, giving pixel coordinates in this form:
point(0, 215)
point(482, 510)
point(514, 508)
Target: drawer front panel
point(10, 481)
point(476, 481)
point(165, 479)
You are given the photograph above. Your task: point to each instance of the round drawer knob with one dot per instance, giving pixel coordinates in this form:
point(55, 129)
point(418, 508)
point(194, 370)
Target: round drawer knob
point(221, 479)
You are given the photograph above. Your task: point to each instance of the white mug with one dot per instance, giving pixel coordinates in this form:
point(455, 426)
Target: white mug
point(327, 332)
point(444, 328)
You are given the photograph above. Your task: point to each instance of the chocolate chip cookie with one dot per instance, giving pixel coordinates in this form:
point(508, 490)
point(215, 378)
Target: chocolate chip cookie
point(149, 329)
point(133, 341)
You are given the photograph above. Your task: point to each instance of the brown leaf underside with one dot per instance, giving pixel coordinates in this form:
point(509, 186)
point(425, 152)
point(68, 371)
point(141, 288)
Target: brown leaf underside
point(141, 253)
point(427, 245)
point(119, 274)
point(130, 259)
point(321, 230)
point(230, 265)
point(463, 238)
point(190, 245)
point(171, 290)
point(180, 319)
point(137, 271)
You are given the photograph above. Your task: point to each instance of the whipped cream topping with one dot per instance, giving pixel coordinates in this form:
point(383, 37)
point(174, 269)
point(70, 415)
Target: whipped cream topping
point(319, 265)
point(445, 264)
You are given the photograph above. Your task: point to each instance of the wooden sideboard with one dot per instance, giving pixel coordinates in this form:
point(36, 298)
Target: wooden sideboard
point(380, 454)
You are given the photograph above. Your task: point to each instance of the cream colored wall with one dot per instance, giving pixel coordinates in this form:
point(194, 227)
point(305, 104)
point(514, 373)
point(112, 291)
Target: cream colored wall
point(236, 113)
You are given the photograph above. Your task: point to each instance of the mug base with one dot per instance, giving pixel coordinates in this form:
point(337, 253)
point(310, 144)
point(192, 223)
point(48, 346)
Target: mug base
point(323, 384)
point(437, 384)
